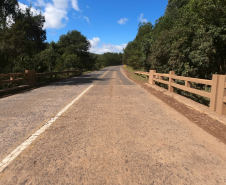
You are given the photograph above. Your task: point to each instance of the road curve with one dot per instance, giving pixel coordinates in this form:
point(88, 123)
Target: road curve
point(117, 133)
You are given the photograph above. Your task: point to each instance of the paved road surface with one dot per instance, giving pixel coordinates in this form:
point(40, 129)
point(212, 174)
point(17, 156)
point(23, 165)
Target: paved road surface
point(22, 114)
point(117, 133)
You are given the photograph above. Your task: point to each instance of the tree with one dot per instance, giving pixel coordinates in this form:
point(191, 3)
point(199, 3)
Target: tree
point(48, 58)
point(76, 45)
point(73, 42)
point(8, 10)
point(23, 39)
point(190, 39)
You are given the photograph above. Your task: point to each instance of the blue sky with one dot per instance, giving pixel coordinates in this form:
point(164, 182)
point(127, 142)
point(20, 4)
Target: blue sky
point(109, 25)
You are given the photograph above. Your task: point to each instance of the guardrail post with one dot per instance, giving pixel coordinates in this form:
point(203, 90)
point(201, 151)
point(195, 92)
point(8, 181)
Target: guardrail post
point(221, 93)
point(214, 87)
point(171, 80)
point(187, 84)
point(151, 76)
point(12, 77)
point(30, 77)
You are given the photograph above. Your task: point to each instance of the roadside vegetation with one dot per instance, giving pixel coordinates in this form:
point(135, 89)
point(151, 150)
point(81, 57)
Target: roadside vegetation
point(142, 79)
point(23, 46)
point(190, 39)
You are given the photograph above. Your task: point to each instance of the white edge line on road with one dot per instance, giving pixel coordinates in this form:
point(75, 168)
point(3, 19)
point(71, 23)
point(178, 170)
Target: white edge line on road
point(15, 153)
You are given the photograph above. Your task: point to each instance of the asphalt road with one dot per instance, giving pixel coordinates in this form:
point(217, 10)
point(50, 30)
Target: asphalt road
point(22, 114)
point(117, 133)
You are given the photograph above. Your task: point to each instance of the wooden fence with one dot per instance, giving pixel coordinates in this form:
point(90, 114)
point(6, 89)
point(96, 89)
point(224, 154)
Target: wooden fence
point(29, 76)
point(217, 95)
point(13, 77)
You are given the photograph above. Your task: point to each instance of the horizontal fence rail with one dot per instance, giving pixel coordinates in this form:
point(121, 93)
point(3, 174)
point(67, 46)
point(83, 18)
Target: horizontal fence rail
point(217, 95)
point(12, 77)
point(188, 88)
point(29, 76)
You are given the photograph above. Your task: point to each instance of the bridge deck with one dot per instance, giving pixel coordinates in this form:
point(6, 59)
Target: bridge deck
point(116, 133)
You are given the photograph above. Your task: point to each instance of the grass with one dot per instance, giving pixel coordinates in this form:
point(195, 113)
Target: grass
point(141, 78)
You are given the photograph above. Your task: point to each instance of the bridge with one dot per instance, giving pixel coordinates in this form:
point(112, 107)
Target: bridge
point(102, 128)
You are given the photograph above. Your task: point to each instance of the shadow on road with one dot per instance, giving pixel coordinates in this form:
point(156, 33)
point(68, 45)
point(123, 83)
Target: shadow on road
point(79, 80)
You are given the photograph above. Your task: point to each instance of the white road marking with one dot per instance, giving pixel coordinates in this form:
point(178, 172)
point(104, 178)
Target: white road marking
point(15, 153)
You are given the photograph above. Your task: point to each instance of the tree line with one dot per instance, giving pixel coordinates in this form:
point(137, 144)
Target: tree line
point(23, 45)
point(190, 39)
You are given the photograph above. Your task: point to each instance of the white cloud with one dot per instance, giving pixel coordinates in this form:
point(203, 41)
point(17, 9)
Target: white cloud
point(84, 17)
point(74, 4)
point(40, 3)
point(23, 7)
point(122, 21)
point(87, 6)
point(140, 18)
point(55, 12)
point(95, 41)
point(105, 47)
point(55, 17)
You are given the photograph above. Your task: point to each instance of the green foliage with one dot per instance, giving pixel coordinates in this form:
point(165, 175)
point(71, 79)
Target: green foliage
point(73, 42)
point(108, 59)
point(47, 58)
point(190, 39)
point(73, 48)
point(21, 39)
point(8, 8)
point(136, 52)
point(22, 45)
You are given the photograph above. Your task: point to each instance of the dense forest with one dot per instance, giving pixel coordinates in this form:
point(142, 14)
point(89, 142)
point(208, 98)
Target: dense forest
point(190, 39)
point(23, 45)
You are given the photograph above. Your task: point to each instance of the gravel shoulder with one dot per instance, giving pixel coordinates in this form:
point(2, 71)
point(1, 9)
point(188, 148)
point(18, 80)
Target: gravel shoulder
point(119, 133)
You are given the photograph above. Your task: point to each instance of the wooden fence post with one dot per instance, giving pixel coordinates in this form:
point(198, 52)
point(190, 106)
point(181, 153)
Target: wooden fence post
point(221, 93)
point(171, 80)
point(187, 84)
point(12, 77)
point(151, 76)
point(214, 87)
point(30, 77)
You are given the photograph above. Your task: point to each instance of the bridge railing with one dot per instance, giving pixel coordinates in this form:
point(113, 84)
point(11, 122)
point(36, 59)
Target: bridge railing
point(29, 76)
point(217, 95)
point(12, 77)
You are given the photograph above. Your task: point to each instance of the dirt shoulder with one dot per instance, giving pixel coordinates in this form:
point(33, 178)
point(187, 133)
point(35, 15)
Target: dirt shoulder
point(213, 127)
